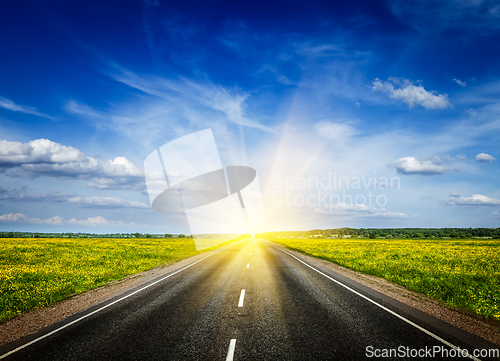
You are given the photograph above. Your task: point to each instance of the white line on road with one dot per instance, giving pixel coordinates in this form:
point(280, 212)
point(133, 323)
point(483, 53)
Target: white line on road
point(230, 352)
point(382, 307)
point(104, 307)
point(248, 265)
point(242, 298)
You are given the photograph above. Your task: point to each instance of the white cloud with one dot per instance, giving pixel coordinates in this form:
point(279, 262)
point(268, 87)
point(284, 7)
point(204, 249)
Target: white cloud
point(13, 194)
point(21, 218)
point(483, 157)
point(108, 202)
point(120, 167)
point(337, 132)
point(94, 222)
point(123, 183)
point(90, 167)
point(11, 217)
point(455, 194)
point(45, 157)
point(475, 200)
point(412, 94)
point(57, 220)
point(37, 151)
point(459, 82)
point(411, 165)
point(10, 105)
point(360, 210)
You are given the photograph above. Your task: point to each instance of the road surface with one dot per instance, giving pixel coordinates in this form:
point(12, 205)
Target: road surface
point(249, 301)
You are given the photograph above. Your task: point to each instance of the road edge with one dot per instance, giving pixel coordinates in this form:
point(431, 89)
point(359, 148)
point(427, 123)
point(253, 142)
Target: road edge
point(31, 322)
point(486, 330)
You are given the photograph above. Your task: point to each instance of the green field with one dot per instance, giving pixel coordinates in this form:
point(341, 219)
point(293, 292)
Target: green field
point(37, 272)
point(462, 273)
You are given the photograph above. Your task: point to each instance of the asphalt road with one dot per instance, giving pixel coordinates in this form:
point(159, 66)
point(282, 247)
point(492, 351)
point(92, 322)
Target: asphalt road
point(287, 311)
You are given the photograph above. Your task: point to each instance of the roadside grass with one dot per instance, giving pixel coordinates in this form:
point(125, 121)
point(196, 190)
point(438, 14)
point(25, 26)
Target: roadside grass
point(464, 273)
point(37, 272)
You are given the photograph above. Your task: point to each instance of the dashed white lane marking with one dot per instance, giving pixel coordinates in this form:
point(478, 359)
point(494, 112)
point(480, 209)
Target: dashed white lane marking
point(230, 352)
point(248, 265)
point(382, 307)
point(108, 305)
point(242, 298)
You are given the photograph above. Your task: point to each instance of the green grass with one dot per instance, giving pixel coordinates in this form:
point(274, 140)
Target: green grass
point(462, 273)
point(37, 272)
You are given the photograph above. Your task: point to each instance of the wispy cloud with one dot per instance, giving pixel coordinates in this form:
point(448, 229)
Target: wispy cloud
point(459, 82)
point(412, 165)
point(315, 51)
point(166, 109)
point(106, 202)
point(359, 210)
point(411, 94)
point(58, 221)
point(92, 116)
point(228, 102)
point(16, 195)
point(10, 105)
point(285, 81)
point(474, 200)
point(339, 133)
point(118, 183)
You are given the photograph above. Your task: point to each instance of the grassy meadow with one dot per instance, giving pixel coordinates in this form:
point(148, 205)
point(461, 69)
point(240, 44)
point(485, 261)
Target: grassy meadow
point(35, 272)
point(462, 273)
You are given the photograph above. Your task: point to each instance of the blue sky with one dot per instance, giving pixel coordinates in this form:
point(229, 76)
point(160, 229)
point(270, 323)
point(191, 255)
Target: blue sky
point(404, 95)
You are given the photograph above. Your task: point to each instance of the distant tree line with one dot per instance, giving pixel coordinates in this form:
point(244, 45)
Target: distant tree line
point(388, 233)
point(87, 235)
